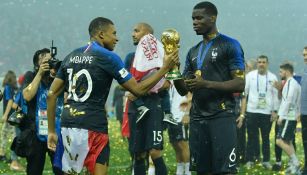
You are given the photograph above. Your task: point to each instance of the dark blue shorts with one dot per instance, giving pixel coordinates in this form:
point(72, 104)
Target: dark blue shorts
point(286, 131)
point(149, 131)
point(213, 144)
point(178, 132)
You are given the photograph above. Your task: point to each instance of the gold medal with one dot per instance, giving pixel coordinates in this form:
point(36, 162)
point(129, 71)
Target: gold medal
point(198, 72)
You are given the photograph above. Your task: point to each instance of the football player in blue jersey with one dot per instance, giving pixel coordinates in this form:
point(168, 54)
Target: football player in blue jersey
point(87, 73)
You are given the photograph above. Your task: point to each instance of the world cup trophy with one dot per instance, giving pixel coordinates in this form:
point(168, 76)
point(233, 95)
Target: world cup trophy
point(170, 40)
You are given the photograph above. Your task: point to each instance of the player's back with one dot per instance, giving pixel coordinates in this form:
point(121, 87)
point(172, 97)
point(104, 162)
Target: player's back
point(88, 73)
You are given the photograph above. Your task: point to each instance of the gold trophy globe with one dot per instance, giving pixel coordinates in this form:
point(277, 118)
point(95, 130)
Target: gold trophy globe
point(170, 40)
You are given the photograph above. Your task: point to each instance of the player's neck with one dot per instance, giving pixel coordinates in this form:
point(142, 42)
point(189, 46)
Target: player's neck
point(93, 39)
point(211, 35)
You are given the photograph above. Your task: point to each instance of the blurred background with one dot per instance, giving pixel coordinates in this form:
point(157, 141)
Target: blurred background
point(276, 28)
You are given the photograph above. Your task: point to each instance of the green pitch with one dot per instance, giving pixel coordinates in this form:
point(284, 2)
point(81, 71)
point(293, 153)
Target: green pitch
point(120, 159)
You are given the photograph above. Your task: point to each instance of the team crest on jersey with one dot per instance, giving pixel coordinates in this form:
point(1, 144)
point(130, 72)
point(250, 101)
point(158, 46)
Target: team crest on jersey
point(214, 54)
point(123, 72)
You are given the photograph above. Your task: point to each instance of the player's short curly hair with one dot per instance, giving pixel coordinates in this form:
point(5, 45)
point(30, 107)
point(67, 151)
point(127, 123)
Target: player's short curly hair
point(98, 24)
point(210, 8)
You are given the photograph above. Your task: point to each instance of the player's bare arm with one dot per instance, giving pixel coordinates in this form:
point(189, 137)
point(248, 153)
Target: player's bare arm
point(56, 88)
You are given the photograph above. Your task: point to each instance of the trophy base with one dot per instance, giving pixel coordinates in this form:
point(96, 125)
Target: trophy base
point(173, 76)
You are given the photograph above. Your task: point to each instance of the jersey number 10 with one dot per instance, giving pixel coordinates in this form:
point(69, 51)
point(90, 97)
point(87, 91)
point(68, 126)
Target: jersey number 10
point(72, 80)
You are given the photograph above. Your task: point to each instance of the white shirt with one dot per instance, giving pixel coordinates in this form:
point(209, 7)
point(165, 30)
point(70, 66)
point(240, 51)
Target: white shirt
point(176, 100)
point(290, 102)
point(262, 96)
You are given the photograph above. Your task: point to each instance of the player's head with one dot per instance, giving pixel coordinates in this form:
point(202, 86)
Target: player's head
point(103, 31)
point(262, 63)
point(204, 17)
point(285, 71)
point(140, 30)
point(305, 54)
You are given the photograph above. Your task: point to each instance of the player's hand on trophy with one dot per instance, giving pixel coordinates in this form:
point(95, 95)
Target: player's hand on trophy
point(170, 60)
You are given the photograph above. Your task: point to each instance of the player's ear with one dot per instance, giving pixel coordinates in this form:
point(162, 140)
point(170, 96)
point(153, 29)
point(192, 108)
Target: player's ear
point(101, 35)
point(213, 19)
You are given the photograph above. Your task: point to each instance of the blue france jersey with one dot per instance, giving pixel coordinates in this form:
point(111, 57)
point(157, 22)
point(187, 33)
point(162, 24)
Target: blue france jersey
point(88, 73)
point(224, 56)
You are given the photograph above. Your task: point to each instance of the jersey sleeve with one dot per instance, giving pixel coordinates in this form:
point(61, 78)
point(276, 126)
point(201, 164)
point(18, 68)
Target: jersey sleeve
point(235, 56)
point(117, 69)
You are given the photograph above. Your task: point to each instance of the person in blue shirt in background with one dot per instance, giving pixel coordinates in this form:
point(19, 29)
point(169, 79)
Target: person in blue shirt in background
point(10, 86)
point(35, 88)
point(18, 105)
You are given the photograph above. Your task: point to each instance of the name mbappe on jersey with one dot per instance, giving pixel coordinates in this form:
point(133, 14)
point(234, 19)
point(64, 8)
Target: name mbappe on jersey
point(81, 59)
point(88, 73)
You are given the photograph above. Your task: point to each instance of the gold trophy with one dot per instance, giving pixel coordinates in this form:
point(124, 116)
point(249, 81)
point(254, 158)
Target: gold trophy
point(170, 40)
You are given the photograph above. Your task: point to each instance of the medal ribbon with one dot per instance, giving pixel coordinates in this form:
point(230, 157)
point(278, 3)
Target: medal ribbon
point(266, 82)
point(201, 55)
